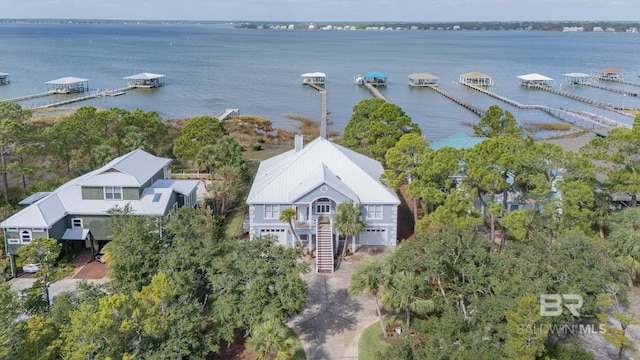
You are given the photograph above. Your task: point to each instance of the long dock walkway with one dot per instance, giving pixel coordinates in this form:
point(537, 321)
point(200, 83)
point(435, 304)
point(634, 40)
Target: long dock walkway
point(592, 102)
point(619, 91)
point(27, 97)
point(621, 81)
point(323, 115)
point(375, 92)
point(474, 109)
point(578, 118)
point(93, 95)
point(499, 97)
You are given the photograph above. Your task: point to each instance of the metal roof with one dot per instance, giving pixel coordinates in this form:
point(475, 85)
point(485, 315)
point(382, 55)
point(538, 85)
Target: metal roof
point(534, 77)
point(577, 75)
point(288, 176)
point(132, 169)
point(425, 76)
point(314, 74)
point(34, 197)
point(457, 141)
point(144, 76)
point(66, 81)
point(75, 234)
point(375, 74)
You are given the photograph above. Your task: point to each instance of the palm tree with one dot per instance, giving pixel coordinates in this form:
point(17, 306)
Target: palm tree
point(599, 216)
point(404, 292)
point(347, 221)
point(288, 215)
point(367, 278)
point(270, 340)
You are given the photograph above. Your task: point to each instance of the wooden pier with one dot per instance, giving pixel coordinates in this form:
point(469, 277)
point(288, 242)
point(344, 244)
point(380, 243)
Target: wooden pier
point(28, 97)
point(619, 91)
point(93, 95)
point(473, 109)
point(579, 118)
point(500, 97)
point(374, 91)
point(619, 80)
point(228, 113)
point(592, 102)
point(323, 114)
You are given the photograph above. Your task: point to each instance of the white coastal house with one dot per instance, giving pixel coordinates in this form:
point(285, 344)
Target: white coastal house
point(313, 179)
point(77, 213)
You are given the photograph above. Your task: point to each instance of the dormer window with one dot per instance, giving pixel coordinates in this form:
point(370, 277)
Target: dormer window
point(113, 193)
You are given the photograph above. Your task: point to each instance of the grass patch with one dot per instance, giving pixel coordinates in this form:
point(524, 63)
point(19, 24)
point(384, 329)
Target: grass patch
point(549, 126)
point(308, 127)
point(371, 346)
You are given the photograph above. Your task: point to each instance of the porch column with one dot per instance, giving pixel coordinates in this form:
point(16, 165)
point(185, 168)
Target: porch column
point(12, 259)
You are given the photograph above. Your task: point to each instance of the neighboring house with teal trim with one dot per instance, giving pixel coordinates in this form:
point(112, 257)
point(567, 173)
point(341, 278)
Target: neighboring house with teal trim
point(77, 212)
point(313, 179)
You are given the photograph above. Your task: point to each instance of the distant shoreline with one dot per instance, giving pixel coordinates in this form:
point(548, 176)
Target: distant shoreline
point(553, 26)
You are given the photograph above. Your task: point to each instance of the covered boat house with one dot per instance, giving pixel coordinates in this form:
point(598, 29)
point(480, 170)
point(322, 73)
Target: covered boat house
point(316, 78)
point(577, 78)
point(423, 79)
point(375, 78)
point(4, 78)
point(609, 74)
point(535, 79)
point(68, 85)
point(145, 80)
point(476, 79)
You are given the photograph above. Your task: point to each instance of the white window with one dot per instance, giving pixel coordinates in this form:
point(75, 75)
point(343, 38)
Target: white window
point(13, 241)
point(25, 236)
point(271, 211)
point(374, 212)
point(323, 206)
point(76, 223)
point(113, 193)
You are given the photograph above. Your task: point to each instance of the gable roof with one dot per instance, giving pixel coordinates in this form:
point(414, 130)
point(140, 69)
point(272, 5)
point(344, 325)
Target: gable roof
point(286, 177)
point(375, 74)
point(144, 76)
point(133, 169)
point(66, 81)
point(534, 77)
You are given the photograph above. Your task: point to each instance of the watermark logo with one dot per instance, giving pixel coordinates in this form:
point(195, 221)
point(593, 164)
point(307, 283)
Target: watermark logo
point(552, 304)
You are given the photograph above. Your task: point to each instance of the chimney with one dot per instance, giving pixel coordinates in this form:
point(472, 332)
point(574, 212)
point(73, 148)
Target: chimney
point(299, 143)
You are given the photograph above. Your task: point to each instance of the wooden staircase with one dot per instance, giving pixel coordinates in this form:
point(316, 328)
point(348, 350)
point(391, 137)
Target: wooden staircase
point(324, 246)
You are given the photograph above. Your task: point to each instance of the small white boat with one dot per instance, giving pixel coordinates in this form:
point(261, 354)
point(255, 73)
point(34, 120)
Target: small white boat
point(358, 80)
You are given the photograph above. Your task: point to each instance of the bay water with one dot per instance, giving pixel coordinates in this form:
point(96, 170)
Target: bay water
point(211, 67)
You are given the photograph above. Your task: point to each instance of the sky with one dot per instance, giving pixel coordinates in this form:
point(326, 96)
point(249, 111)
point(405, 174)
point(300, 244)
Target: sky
point(325, 10)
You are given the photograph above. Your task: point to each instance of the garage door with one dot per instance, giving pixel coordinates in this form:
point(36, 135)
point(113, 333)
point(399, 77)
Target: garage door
point(373, 237)
point(279, 234)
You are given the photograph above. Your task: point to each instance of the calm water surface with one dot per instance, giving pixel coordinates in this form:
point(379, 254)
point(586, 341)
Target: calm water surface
point(212, 67)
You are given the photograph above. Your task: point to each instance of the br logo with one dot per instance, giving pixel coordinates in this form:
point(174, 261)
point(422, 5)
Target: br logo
point(551, 304)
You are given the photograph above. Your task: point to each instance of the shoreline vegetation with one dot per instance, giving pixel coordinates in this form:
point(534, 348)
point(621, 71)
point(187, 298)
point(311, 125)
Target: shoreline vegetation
point(559, 25)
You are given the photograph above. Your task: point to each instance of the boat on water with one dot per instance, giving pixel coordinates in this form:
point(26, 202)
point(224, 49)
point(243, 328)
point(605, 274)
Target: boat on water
point(358, 80)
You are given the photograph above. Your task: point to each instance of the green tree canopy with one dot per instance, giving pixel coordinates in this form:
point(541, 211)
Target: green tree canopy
point(199, 132)
point(376, 126)
point(498, 122)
